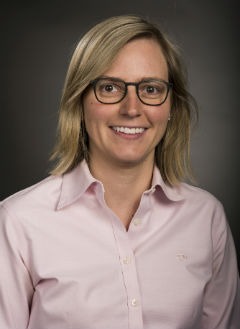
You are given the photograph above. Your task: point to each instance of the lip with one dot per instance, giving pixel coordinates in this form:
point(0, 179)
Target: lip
point(129, 132)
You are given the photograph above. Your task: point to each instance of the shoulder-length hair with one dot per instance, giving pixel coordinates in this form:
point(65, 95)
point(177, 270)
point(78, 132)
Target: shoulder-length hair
point(92, 57)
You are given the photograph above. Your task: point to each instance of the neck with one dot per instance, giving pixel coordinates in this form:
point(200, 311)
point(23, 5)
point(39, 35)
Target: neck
point(124, 185)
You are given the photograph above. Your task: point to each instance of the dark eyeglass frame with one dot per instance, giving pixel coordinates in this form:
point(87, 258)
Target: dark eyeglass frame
point(94, 82)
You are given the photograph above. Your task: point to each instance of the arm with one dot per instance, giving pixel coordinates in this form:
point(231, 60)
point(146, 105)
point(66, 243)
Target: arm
point(221, 309)
point(16, 287)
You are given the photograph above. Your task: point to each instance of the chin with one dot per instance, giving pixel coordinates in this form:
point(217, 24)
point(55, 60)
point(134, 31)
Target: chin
point(129, 161)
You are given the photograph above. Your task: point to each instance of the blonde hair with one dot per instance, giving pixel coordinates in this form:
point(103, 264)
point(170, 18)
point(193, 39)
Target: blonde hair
point(94, 55)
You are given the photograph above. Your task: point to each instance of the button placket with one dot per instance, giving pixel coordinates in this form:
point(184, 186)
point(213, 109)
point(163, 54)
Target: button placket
point(137, 221)
point(126, 260)
point(134, 302)
point(143, 211)
point(130, 277)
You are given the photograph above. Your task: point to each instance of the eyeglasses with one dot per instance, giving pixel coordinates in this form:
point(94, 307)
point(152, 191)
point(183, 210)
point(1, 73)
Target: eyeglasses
point(152, 92)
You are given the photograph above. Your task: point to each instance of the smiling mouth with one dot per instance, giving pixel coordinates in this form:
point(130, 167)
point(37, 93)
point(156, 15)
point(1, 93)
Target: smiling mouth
point(129, 131)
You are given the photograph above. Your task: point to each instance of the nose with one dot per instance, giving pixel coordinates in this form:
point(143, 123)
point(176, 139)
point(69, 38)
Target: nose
point(131, 104)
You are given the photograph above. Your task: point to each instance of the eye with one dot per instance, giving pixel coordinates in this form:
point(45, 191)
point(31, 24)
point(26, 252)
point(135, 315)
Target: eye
point(109, 87)
point(152, 88)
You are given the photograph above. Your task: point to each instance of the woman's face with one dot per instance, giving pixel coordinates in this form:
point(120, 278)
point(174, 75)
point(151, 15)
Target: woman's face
point(106, 124)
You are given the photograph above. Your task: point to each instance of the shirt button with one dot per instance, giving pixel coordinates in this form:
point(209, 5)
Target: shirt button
point(126, 260)
point(137, 221)
point(134, 302)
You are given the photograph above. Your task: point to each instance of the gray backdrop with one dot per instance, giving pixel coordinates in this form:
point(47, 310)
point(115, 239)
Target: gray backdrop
point(37, 40)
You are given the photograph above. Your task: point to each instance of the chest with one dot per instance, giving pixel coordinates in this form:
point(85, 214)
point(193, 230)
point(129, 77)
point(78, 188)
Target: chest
point(88, 272)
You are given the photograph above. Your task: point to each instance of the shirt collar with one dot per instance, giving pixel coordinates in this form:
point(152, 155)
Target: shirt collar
point(173, 193)
point(77, 181)
point(74, 184)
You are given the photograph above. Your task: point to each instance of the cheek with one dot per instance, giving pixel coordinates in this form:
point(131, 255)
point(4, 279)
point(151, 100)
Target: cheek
point(159, 116)
point(96, 117)
point(90, 112)
point(97, 114)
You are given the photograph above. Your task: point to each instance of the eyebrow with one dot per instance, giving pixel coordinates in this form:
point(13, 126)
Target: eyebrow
point(140, 80)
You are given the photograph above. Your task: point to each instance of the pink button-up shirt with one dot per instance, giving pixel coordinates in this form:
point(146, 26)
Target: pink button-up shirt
point(67, 261)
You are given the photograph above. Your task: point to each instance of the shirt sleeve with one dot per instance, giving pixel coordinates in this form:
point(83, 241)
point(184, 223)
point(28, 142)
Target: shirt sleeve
point(221, 309)
point(16, 287)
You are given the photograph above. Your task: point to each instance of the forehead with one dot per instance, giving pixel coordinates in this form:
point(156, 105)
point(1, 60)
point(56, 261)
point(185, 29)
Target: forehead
point(142, 57)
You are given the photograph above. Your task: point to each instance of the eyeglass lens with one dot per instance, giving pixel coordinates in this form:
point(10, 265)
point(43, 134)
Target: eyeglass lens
point(151, 92)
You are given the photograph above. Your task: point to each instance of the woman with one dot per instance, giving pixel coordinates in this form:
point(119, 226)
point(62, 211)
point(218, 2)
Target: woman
point(114, 239)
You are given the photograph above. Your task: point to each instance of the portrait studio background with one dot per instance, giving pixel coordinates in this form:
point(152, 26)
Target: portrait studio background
point(37, 42)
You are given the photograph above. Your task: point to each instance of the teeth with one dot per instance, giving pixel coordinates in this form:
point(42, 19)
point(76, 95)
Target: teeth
point(130, 131)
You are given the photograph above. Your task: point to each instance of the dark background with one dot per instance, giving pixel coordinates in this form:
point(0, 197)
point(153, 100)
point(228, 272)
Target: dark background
point(37, 40)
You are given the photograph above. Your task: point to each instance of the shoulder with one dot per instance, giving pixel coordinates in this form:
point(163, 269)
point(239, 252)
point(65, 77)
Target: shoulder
point(196, 203)
point(44, 194)
point(193, 193)
point(203, 204)
point(183, 193)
